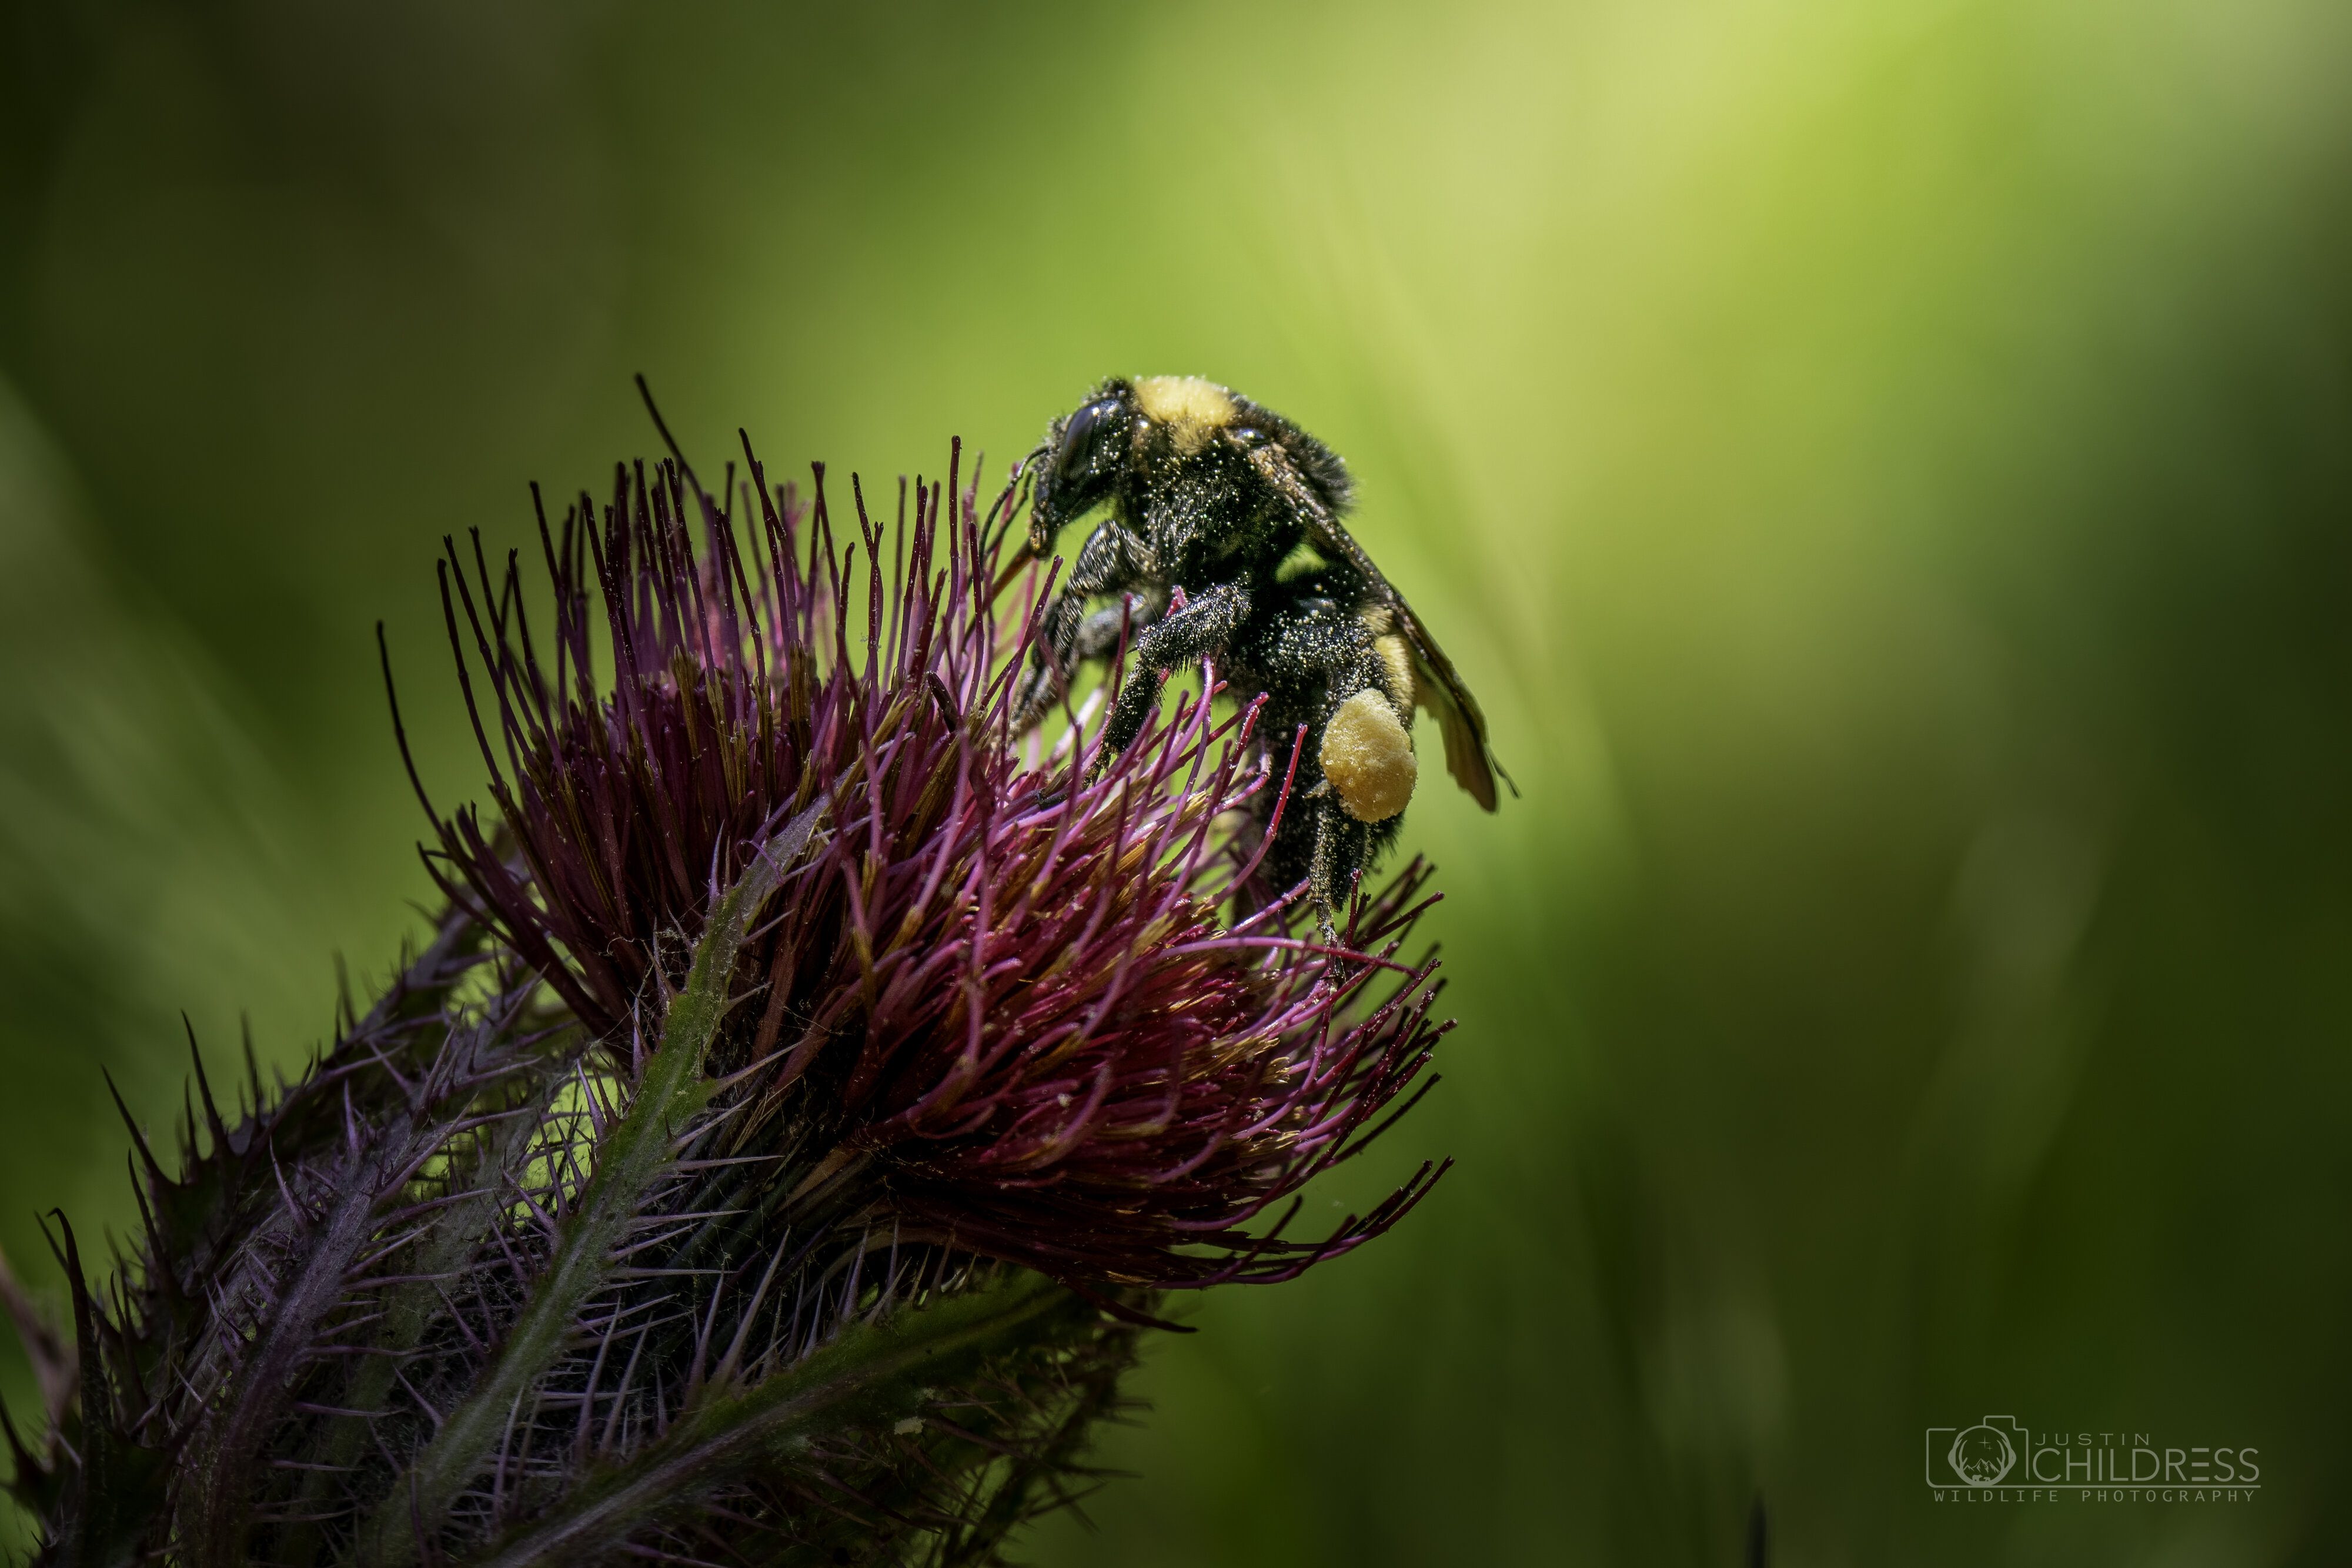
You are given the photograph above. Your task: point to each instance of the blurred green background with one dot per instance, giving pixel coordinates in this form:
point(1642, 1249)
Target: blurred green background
point(1885, 467)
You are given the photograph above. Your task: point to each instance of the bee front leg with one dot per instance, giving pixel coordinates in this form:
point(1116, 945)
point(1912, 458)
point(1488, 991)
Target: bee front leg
point(1203, 628)
point(1105, 562)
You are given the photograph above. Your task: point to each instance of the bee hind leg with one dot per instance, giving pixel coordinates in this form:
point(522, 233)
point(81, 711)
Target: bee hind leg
point(1319, 873)
point(1345, 848)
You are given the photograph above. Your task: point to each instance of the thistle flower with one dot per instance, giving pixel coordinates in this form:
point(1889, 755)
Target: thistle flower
point(1007, 990)
point(801, 1106)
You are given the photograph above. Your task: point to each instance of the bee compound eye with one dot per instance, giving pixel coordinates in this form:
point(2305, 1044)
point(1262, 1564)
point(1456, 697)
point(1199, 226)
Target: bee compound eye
point(1083, 434)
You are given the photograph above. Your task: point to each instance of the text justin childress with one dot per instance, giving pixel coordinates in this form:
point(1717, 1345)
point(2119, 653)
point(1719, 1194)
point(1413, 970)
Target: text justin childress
point(2110, 1458)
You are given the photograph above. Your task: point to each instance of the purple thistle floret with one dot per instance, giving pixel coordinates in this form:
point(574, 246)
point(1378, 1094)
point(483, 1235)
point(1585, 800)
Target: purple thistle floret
point(796, 1118)
point(1003, 996)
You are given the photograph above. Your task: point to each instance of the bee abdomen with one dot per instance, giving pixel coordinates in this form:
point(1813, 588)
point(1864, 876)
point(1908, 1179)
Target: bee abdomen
point(1396, 663)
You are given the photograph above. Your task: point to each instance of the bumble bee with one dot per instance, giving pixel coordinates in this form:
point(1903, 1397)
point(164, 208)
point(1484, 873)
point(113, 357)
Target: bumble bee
point(1224, 541)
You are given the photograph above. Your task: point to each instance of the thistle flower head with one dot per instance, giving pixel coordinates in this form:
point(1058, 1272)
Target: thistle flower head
point(799, 1109)
point(1001, 997)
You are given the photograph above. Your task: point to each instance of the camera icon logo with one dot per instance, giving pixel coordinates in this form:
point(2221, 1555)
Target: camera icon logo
point(1983, 1455)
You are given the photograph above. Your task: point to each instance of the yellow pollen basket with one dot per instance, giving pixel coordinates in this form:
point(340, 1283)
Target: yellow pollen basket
point(1368, 757)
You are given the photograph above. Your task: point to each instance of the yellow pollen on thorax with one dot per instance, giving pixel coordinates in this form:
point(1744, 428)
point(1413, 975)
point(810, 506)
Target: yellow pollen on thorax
point(1190, 408)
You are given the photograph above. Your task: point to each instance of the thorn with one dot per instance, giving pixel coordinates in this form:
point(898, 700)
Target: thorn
point(204, 1086)
point(146, 1152)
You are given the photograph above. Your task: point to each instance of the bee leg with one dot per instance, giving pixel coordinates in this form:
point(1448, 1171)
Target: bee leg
point(1039, 688)
point(1202, 628)
point(1318, 872)
point(1345, 845)
point(1101, 634)
point(1105, 563)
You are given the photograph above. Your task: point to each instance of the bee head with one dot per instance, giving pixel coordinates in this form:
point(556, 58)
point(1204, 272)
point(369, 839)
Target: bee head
point(1083, 456)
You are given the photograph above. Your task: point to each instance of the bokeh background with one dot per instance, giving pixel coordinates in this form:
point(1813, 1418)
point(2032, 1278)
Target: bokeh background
point(1886, 467)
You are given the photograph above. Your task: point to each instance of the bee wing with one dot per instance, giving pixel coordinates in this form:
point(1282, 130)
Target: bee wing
point(1438, 687)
